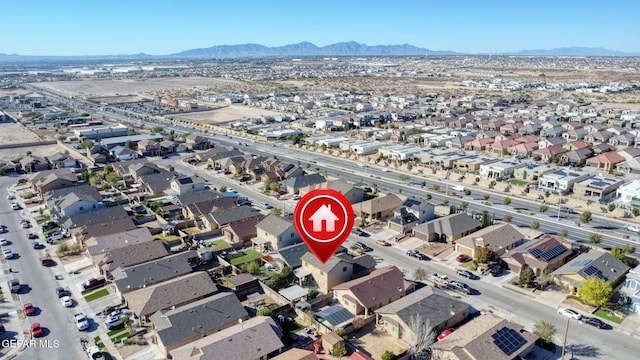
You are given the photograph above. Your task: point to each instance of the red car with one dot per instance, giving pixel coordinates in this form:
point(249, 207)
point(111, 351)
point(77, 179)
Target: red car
point(462, 258)
point(32, 236)
point(28, 309)
point(36, 330)
point(446, 333)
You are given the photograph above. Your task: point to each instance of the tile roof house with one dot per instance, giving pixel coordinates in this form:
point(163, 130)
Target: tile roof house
point(338, 269)
point(291, 255)
point(500, 238)
point(606, 161)
point(295, 184)
point(187, 184)
point(447, 228)
point(409, 214)
point(197, 197)
point(73, 200)
point(217, 219)
point(194, 210)
point(438, 309)
point(242, 231)
point(93, 217)
point(156, 183)
point(545, 253)
point(377, 208)
point(46, 181)
point(135, 277)
point(101, 244)
point(171, 293)
point(275, 232)
point(33, 164)
point(352, 193)
point(368, 293)
point(108, 227)
point(197, 142)
point(592, 263)
point(193, 321)
point(486, 337)
point(255, 339)
point(128, 256)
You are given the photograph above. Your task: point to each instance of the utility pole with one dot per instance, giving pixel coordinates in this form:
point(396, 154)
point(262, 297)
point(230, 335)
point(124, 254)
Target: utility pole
point(564, 342)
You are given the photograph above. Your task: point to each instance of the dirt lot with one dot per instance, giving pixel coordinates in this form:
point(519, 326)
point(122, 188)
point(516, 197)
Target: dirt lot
point(172, 87)
point(12, 133)
point(224, 114)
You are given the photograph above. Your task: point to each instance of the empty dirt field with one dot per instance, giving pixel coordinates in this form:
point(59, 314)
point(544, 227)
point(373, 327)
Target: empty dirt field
point(224, 114)
point(12, 133)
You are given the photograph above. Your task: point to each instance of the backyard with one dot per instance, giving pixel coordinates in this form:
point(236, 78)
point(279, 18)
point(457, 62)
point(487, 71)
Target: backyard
point(244, 256)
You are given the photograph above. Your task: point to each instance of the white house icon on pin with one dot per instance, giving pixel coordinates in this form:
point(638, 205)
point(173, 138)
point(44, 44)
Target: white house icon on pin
point(324, 214)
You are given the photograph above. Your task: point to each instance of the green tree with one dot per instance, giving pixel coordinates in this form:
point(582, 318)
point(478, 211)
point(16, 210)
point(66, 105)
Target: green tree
point(527, 277)
point(594, 291)
point(535, 225)
point(61, 138)
point(595, 238)
point(618, 253)
point(545, 331)
point(436, 187)
point(339, 349)
point(486, 197)
point(544, 208)
point(419, 274)
point(585, 217)
point(253, 268)
point(464, 205)
point(467, 192)
point(273, 186)
point(484, 254)
point(157, 129)
point(629, 249)
point(506, 201)
point(341, 333)
point(323, 147)
point(86, 144)
point(403, 177)
point(265, 311)
point(131, 132)
point(184, 136)
point(445, 201)
point(112, 177)
point(611, 207)
point(130, 144)
point(312, 293)
point(429, 197)
point(388, 355)
point(276, 211)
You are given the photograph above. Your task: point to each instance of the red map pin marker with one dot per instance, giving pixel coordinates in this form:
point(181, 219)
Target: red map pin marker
point(323, 219)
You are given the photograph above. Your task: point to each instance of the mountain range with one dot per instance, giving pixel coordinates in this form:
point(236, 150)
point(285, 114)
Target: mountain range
point(303, 49)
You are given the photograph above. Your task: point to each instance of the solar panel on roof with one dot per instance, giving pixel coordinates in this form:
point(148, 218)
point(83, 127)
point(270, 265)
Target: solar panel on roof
point(593, 271)
point(508, 340)
point(581, 262)
point(555, 251)
point(536, 252)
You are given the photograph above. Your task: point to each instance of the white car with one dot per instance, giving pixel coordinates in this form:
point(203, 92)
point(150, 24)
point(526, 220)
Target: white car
point(230, 190)
point(361, 165)
point(66, 301)
point(569, 313)
point(633, 228)
point(10, 197)
point(81, 321)
point(4, 242)
point(385, 170)
point(8, 254)
point(15, 206)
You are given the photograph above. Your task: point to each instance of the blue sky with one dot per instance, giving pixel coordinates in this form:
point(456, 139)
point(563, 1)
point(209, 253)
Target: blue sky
point(88, 27)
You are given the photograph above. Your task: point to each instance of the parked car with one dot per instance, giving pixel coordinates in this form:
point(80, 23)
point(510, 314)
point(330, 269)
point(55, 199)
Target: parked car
point(15, 206)
point(359, 232)
point(593, 322)
point(81, 321)
point(418, 255)
point(7, 253)
point(460, 286)
point(569, 313)
point(32, 236)
point(463, 258)
point(362, 246)
point(94, 282)
point(266, 205)
point(4, 242)
point(446, 333)
point(296, 197)
point(496, 270)
point(10, 197)
point(61, 292)
point(114, 325)
point(633, 228)
point(14, 285)
point(3, 229)
point(66, 301)
point(383, 243)
point(53, 236)
point(36, 330)
point(466, 273)
point(28, 309)
point(440, 278)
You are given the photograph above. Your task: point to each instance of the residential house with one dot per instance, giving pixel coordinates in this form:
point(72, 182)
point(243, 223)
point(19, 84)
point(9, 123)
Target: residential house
point(80, 234)
point(560, 180)
point(623, 140)
point(33, 163)
point(157, 183)
point(630, 292)
point(439, 309)
point(242, 231)
point(368, 293)
point(46, 181)
point(410, 213)
point(291, 255)
point(524, 148)
point(188, 323)
point(378, 208)
point(299, 354)
point(549, 153)
point(295, 184)
point(196, 197)
point(195, 210)
point(593, 263)
point(128, 256)
point(447, 228)
point(335, 271)
point(98, 216)
point(101, 244)
point(472, 163)
point(629, 193)
point(352, 193)
point(486, 337)
point(543, 254)
point(185, 184)
point(500, 238)
point(576, 156)
point(217, 219)
point(597, 188)
point(139, 276)
point(606, 161)
point(275, 232)
point(171, 293)
point(73, 200)
point(501, 170)
point(123, 153)
point(197, 142)
point(255, 339)
point(59, 160)
point(243, 285)
point(532, 172)
point(149, 147)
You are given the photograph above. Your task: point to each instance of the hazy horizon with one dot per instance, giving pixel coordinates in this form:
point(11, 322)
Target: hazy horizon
point(165, 27)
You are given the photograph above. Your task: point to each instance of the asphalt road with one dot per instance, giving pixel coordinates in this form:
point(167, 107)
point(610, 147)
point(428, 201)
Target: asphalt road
point(61, 337)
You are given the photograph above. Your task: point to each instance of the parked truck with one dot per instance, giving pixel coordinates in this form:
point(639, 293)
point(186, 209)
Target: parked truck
point(93, 351)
